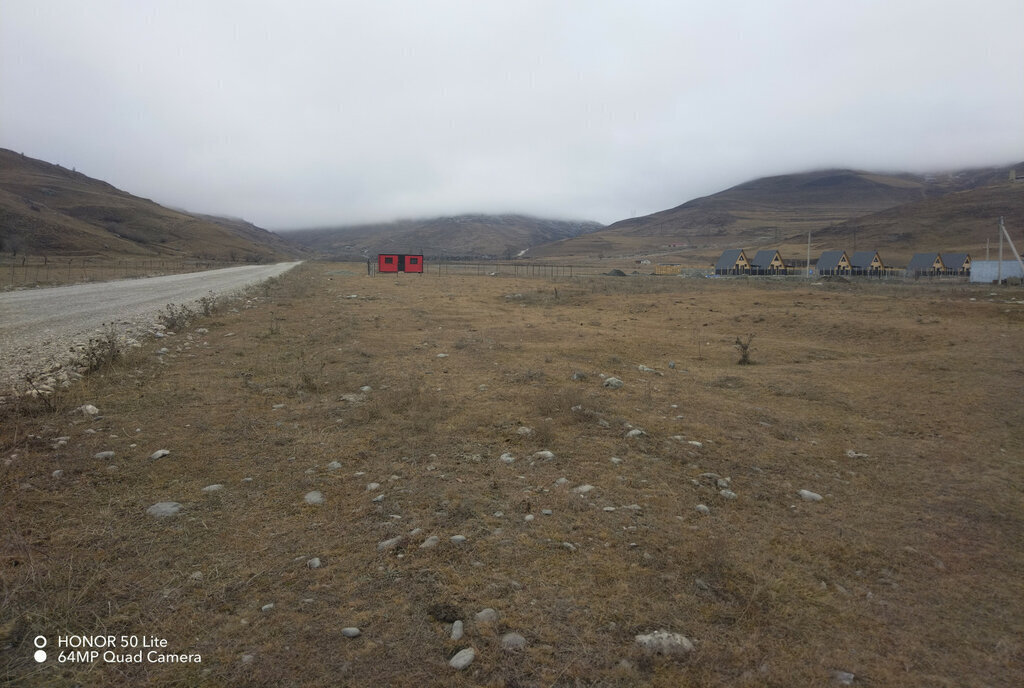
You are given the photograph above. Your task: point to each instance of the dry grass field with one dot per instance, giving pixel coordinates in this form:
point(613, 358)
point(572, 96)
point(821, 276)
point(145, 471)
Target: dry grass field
point(898, 404)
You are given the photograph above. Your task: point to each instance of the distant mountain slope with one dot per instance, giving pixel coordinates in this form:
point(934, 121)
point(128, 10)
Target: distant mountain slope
point(46, 209)
point(780, 210)
point(461, 236)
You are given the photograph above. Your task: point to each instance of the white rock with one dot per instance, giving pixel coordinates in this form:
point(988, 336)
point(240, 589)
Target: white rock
point(612, 383)
point(728, 494)
point(843, 678)
point(88, 410)
point(430, 542)
point(513, 642)
point(351, 632)
point(615, 460)
point(159, 454)
point(562, 481)
point(104, 455)
point(442, 355)
point(313, 563)
point(164, 509)
point(508, 458)
point(547, 512)
point(703, 508)
point(213, 488)
point(665, 643)
point(389, 544)
point(462, 659)
point(544, 455)
point(457, 630)
point(372, 486)
point(315, 497)
point(457, 539)
point(809, 496)
point(696, 443)
point(366, 388)
point(583, 489)
point(855, 455)
point(635, 432)
point(333, 466)
point(524, 431)
point(58, 474)
point(248, 659)
point(267, 607)
point(487, 615)
point(528, 518)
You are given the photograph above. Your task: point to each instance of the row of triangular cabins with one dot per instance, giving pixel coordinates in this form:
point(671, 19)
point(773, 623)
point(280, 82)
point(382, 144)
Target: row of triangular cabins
point(765, 262)
point(868, 263)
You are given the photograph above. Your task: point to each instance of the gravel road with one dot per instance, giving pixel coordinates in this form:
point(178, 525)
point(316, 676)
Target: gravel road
point(38, 326)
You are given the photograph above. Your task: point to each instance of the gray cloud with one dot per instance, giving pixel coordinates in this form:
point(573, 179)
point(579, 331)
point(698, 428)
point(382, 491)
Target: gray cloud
point(309, 113)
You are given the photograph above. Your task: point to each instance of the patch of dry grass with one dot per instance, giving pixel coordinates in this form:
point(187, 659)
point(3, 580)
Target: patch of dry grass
point(905, 574)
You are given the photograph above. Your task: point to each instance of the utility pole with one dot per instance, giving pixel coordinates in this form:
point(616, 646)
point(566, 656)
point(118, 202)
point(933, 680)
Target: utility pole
point(808, 255)
point(999, 269)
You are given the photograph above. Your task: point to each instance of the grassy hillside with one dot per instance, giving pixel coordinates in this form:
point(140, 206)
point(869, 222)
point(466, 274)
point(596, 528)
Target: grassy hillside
point(907, 425)
point(49, 210)
point(463, 236)
point(899, 214)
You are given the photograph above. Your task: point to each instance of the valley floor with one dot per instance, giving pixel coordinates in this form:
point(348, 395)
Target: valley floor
point(418, 407)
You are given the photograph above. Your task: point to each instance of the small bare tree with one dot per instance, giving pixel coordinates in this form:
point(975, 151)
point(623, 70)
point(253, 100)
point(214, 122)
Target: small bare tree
point(744, 349)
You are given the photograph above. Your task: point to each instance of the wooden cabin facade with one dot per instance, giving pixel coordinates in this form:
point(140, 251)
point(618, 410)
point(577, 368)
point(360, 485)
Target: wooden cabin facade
point(926, 265)
point(957, 263)
point(768, 262)
point(833, 263)
point(733, 262)
point(866, 263)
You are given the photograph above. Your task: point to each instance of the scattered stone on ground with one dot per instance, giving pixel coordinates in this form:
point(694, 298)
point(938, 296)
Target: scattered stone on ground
point(508, 458)
point(314, 498)
point(104, 455)
point(809, 496)
point(458, 539)
point(665, 643)
point(351, 632)
point(582, 489)
point(267, 607)
point(58, 474)
point(430, 542)
point(333, 466)
point(562, 481)
point(457, 630)
point(370, 487)
point(164, 509)
point(486, 615)
point(850, 453)
point(462, 658)
point(159, 454)
point(524, 431)
point(88, 410)
point(615, 460)
point(543, 455)
point(843, 678)
point(386, 545)
point(513, 642)
point(313, 563)
point(635, 432)
point(612, 383)
point(216, 487)
point(728, 494)
point(703, 508)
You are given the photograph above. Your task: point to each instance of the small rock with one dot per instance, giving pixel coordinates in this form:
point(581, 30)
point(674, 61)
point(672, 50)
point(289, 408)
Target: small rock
point(267, 607)
point(809, 496)
point(333, 466)
point(543, 455)
point(248, 659)
point(164, 509)
point(88, 410)
point(457, 539)
point(389, 544)
point(665, 643)
point(313, 563)
point(703, 508)
point(378, 498)
point(524, 431)
point(442, 355)
point(528, 518)
point(462, 659)
point(728, 494)
point(513, 642)
point(372, 486)
point(105, 455)
point(547, 512)
point(609, 509)
point(213, 488)
point(855, 455)
point(58, 474)
point(583, 489)
point(314, 498)
point(277, 407)
point(508, 458)
point(487, 615)
point(457, 630)
point(695, 443)
point(366, 388)
point(577, 376)
point(612, 383)
point(159, 454)
point(562, 481)
point(615, 460)
point(843, 678)
point(635, 432)
point(351, 632)
point(430, 542)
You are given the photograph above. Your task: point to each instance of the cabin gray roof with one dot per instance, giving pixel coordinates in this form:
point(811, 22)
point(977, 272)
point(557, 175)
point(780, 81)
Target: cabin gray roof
point(764, 258)
point(728, 259)
point(954, 261)
point(863, 259)
point(922, 261)
point(830, 260)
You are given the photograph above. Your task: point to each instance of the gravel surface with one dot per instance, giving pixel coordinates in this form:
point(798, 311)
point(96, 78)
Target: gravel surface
point(39, 326)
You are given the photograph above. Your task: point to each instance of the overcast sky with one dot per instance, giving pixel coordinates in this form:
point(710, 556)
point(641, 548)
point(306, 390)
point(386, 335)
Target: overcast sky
point(307, 113)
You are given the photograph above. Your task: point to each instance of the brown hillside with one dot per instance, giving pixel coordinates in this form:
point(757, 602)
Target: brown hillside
point(462, 236)
point(46, 209)
point(936, 212)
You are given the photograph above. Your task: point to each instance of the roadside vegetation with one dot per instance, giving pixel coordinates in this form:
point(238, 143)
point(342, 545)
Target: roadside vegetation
point(422, 406)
